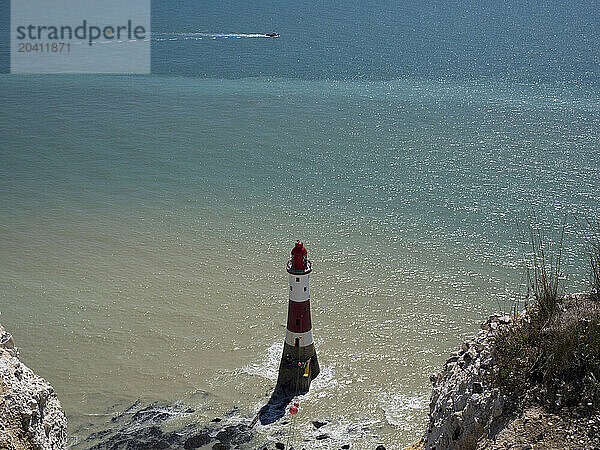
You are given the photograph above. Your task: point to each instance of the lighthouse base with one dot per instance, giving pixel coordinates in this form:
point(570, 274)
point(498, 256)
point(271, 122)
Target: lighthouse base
point(298, 367)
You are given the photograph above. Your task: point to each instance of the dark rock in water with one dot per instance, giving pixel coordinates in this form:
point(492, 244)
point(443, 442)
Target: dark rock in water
point(153, 413)
point(317, 424)
point(380, 447)
point(156, 414)
point(139, 428)
point(279, 446)
point(345, 446)
point(234, 434)
point(133, 407)
point(197, 440)
point(99, 435)
point(220, 446)
point(322, 436)
point(149, 437)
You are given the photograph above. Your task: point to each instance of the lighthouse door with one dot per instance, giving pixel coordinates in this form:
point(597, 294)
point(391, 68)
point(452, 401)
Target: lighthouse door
point(297, 342)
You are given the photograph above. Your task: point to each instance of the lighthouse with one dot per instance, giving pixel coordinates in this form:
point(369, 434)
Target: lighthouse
point(299, 365)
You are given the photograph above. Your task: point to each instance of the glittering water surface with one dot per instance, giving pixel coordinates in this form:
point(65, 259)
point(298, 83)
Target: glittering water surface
point(145, 222)
point(144, 248)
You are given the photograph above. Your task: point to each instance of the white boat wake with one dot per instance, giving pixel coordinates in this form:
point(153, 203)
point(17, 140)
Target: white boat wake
point(203, 35)
point(199, 36)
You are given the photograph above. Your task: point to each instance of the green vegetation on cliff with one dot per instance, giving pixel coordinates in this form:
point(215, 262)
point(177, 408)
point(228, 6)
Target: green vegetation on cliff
point(551, 352)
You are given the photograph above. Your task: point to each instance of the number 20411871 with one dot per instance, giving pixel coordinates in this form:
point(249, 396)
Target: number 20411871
point(44, 47)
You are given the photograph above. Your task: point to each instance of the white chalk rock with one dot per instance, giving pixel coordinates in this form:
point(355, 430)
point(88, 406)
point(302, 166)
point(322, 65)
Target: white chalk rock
point(463, 406)
point(30, 413)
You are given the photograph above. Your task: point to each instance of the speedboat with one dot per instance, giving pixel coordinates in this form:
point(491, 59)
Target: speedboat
point(273, 35)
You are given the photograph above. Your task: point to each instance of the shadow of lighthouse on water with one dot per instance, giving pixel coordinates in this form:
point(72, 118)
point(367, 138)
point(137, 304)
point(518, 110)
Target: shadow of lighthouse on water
point(299, 365)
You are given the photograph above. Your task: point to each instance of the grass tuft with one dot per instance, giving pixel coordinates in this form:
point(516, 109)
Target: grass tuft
point(544, 276)
point(593, 248)
point(555, 347)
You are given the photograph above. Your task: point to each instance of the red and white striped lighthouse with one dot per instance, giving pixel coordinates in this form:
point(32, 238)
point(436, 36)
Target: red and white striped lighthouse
point(299, 365)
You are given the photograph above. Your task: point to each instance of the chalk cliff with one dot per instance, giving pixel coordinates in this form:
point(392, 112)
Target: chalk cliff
point(30, 413)
point(469, 409)
point(465, 406)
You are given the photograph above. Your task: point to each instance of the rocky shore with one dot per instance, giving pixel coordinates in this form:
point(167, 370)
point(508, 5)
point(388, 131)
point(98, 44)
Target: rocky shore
point(470, 410)
point(30, 413)
point(469, 407)
point(150, 427)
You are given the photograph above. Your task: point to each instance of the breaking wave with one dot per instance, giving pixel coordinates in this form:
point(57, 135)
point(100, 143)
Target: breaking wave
point(403, 410)
point(268, 366)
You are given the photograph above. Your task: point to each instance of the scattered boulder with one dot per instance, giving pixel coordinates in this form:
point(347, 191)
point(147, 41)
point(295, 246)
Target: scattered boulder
point(140, 427)
point(197, 440)
point(220, 446)
point(318, 424)
point(235, 435)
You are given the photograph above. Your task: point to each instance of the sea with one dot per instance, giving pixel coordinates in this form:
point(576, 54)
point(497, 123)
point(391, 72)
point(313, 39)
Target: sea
point(146, 220)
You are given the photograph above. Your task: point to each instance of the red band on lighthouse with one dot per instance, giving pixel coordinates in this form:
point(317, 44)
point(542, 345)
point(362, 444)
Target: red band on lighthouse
point(299, 317)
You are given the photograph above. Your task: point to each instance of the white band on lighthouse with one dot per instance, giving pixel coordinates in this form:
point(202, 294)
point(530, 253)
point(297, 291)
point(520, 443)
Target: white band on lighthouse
point(299, 288)
point(304, 339)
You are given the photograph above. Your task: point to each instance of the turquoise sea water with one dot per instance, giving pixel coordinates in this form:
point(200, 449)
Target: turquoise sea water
point(146, 221)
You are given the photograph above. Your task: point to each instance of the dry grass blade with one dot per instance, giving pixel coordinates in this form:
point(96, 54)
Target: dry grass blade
point(554, 350)
point(593, 248)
